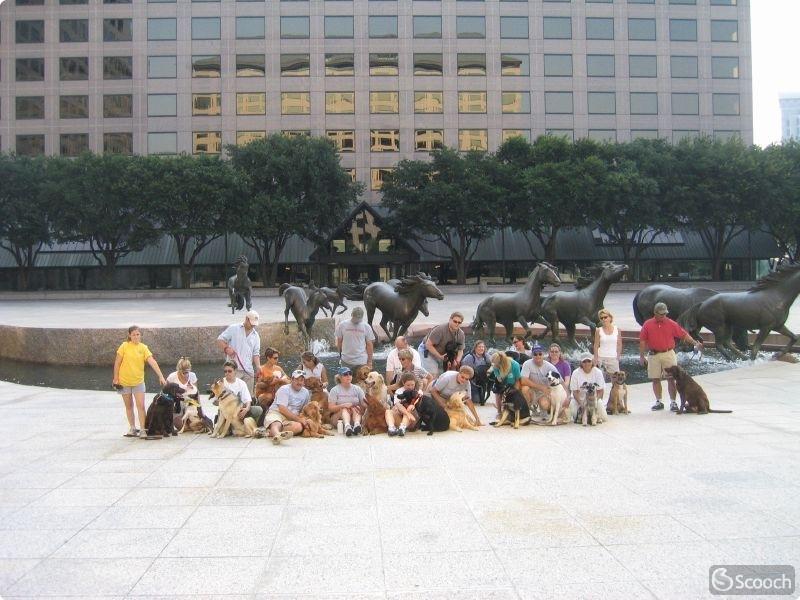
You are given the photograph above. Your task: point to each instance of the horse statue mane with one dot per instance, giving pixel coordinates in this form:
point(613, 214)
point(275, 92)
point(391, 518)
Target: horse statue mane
point(771, 279)
point(590, 274)
point(411, 282)
point(242, 260)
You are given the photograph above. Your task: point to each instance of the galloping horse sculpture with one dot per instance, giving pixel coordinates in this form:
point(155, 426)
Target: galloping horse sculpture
point(401, 305)
point(342, 292)
point(239, 286)
point(521, 306)
point(764, 307)
point(580, 306)
point(304, 307)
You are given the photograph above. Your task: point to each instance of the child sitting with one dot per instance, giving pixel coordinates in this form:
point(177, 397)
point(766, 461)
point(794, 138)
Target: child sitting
point(405, 400)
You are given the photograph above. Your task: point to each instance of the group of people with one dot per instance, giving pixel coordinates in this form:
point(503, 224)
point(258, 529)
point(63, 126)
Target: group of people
point(438, 368)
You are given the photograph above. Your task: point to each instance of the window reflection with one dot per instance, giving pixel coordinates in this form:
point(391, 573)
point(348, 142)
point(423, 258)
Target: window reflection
point(383, 64)
point(472, 102)
point(245, 137)
point(295, 65)
point(339, 65)
point(340, 103)
point(343, 139)
point(473, 139)
point(251, 103)
point(384, 140)
point(295, 103)
point(206, 142)
point(428, 102)
point(426, 140)
point(384, 102)
point(207, 105)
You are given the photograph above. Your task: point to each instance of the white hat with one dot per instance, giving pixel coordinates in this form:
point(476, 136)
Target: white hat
point(252, 316)
point(586, 356)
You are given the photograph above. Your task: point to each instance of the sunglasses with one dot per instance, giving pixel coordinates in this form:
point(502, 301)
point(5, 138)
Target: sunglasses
point(275, 356)
point(538, 353)
point(456, 322)
point(228, 370)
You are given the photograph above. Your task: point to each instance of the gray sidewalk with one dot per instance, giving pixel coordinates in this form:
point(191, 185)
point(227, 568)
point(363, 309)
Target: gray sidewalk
point(639, 507)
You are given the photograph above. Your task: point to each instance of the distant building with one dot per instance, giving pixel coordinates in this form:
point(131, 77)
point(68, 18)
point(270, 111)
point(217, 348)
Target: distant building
point(790, 117)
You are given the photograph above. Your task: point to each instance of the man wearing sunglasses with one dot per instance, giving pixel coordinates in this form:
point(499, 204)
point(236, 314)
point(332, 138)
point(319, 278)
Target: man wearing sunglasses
point(534, 378)
point(444, 346)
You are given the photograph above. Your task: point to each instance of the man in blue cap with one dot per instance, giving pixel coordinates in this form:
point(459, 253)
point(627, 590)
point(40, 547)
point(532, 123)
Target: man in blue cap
point(534, 377)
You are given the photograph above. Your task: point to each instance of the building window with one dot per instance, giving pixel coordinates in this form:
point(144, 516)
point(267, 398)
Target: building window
point(725, 67)
point(342, 64)
point(469, 64)
point(507, 134)
point(295, 103)
point(428, 64)
point(295, 28)
point(66, 2)
point(117, 67)
point(30, 69)
point(117, 30)
point(726, 135)
point(384, 102)
point(73, 107)
point(250, 65)
point(206, 142)
point(29, 32)
point(30, 145)
point(250, 28)
point(251, 103)
point(644, 134)
point(725, 104)
point(206, 66)
point(29, 107)
point(343, 139)
point(516, 102)
point(382, 27)
point(642, 29)
point(428, 102)
point(118, 143)
point(295, 65)
point(162, 143)
point(162, 67)
point(602, 103)
point(245, 137)
point(678, 135)
point(683, 67)
point(376, 177)
point(472, 102)
point(641, 1)
point(558, 65)
point(723, 2)
point(426, 140)
point(427, 26)
point(117, 106)
point(471, 27)
point(515, 65)
point(73, 144)
point(598, 28)
point(206, 105)
point(383, 64)
point(340, 103)
point(683, 2)
point(603, 135)
point(643, 66)
point(568, 134)
point(384, 140)
point(338, 27)
point(162, 105)
point(557, 28)
point(294, 133)
point(74, 68)
point(73, 30)
point(352, 173)
point(206, 28)
point(644, 103)
point(514, 27)
point(683, 30)
point(162, 29)
point(685, 104)
point(724, 31)
point(29, 2)
point(600, 65)
point(473, 139)
point(558, 103)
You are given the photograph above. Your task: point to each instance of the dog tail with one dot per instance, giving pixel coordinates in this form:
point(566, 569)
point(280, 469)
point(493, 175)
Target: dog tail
point(283, 287)
point(711, 410)
point(637, 313)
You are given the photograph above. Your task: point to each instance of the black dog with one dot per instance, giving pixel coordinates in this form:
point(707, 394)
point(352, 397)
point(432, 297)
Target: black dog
point(449, 357)
point(480, 384)
point(432, 417)
point(158, 419)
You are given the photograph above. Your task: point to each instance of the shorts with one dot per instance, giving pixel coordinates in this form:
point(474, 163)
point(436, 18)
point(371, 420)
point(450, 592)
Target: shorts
point(274, 416)
point(609, 364)
point(132, 389)
point(656, 363)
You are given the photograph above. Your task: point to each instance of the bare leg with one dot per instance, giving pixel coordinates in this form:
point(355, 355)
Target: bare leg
point(128, 400)
point(671, 389)
point(139, 397)
point(657, 391)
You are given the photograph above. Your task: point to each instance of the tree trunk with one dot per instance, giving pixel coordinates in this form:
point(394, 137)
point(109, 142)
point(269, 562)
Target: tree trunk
point(716, 266)
point(22, 278)
point(273, 274)
point(108, 270)
point(459, 262)
point(186, 275)
point(550, 248)
point(264, 270)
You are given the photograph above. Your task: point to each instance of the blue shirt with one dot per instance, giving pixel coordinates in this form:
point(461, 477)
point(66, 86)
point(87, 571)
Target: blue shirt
point(513, 374)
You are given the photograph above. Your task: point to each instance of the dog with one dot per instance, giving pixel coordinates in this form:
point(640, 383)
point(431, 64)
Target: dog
point(360, 376)
point(618, 398)
point(480, 384)
point(432, 417)
point(591, 407)
point(265, 389)
point(320, 396)
point(229, 405)
point(193, 420)
point(513, 403)
point(559, 414)
point(158, 418)
point(457, 411)
point(313, 414)
point(693, 397)
point(374, 420)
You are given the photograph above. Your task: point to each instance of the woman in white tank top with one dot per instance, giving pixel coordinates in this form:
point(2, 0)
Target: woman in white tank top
point(607, 343)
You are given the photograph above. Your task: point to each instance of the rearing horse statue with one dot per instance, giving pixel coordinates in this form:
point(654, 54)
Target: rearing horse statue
point(239, 286)
point(521, 306)
point(304, 307)
point(399, 304)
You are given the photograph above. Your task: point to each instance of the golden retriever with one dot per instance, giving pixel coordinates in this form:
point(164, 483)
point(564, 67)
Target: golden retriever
point(313, 413)
point(460, 419)
point(229, 406)
point(320, 396)
point(360, 376)
point(375, 418)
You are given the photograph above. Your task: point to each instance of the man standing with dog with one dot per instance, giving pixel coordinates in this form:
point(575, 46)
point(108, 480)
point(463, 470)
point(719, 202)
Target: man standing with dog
point(444, 346)
point(242, 345)
point(354, 339)
point(657, 339)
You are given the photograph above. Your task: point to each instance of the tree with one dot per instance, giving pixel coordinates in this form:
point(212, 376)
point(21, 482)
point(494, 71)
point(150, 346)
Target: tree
point(290, 186)
point(452, 199)
point(781, 171)
point(103, 206)
point(191, 199)
point(26, 204)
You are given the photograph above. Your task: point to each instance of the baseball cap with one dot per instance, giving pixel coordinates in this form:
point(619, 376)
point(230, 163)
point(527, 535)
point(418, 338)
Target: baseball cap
point(586, 356)
point(537, 347)
point(252, 316)
point(298, 373)
point(660, 308)
point(358, 313)
point(345, 371)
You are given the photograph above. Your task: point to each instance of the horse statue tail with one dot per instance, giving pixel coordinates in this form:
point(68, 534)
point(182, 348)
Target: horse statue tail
point(477, 324)
point(637, 313)
point(689, 319)
point(283, 287)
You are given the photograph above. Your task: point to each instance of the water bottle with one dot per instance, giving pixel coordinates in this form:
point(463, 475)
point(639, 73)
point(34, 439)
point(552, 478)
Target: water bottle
point(340, 427)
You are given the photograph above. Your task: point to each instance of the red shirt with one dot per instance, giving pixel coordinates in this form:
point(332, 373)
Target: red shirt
point(660, 337)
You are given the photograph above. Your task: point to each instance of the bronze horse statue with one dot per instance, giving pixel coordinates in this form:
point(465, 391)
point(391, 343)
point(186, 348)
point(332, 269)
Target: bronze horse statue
point(239, 286)
point(399, 305)
point(521, 306)
point(304, 307)
point(580, 306)
point(764, 307)
point(343, 291)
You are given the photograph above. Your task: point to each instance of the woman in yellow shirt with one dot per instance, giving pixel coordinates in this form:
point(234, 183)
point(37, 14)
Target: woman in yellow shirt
point(129, 377)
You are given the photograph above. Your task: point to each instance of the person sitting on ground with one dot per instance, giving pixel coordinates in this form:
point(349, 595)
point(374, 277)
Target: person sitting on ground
point(237, 386)
point(556, 358)
point(407, 366)
point(535, 386)
point(285, 417)
point(506, 373)
point(271, 376)
point(479, 361)
point(607, 346)
point(450, 382)
point(311, 366)
point(587, 373)
point(393, 366)
point(347, 402)
point(402, 410)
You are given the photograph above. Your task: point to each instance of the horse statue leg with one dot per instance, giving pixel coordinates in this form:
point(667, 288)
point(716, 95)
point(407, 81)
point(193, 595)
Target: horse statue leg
point(491, 326)
point(247, 301)
point(783, 330)
point(286, 321)
point(762, 335)
point(524, 323)
point(509, 327)
point(570, 329)
point(370, 307)
point(385, 326)
point(722, 338)
point(340, 302)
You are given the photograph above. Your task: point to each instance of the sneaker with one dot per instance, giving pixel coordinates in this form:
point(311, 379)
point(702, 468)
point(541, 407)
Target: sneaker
point(260, 432)
point(285, 435)
point(276, 439)
point(349, 431)
point(143, 434)
point(401, 432)
point(392, 432)
point(658, 405)
point(132, 432)
point(673, 406)
point(357, 429)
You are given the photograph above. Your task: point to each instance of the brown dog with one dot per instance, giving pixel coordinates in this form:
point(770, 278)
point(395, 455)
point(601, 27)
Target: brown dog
point(618, 398)
point(457, 411)
point(266, 386)
point(360, 377)
point(313, 413)
point(374, 420)
point(693, 397)
point(320, 396)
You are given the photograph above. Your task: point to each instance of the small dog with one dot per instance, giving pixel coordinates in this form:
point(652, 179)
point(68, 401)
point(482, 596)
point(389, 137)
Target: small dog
point(313, 412)
point(374, 420)
point(559, 414)
point(158, 418)
point(618, 398)
point(693, 397)
point(457, 411)
point(194, 420)
point(228, 415)
point(360, 376)
point(320, 396)
point(591, 407)
point(432, 417)
point(514, 403)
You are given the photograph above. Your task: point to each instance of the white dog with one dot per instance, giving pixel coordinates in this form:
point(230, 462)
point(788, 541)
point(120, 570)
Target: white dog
point(559, 414)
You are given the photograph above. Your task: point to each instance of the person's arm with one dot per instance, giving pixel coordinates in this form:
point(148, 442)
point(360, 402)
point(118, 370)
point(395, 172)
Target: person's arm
point(430, 346)
point(436, 395)
point(323, 376)
point(154, 365)
point(286, 413)
point(619, 344)
point(369, 353)
point(642, 350)
point(532, 384)
point(117, 363)
point(596, 346)
point(223, 343)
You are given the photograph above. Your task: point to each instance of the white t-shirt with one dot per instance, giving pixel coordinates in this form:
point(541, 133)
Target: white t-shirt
point(315, 372)
point(190, 387)
point(340, 395)
point(246, 345)
point(238, 387)
point(579, 377)
point(290, 398)
point(393, 362)
point(447, 384)
point(537, 374)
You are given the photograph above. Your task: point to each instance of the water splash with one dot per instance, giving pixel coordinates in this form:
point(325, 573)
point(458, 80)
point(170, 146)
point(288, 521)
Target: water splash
point(319, 347)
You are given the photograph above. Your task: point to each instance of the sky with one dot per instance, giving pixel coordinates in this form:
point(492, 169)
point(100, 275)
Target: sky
point(776, 48)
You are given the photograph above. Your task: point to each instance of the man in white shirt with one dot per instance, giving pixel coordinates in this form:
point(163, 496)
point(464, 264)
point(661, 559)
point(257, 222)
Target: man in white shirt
point(393, 365)
point(242, 346)
point(285, 416)
point(534, 377)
